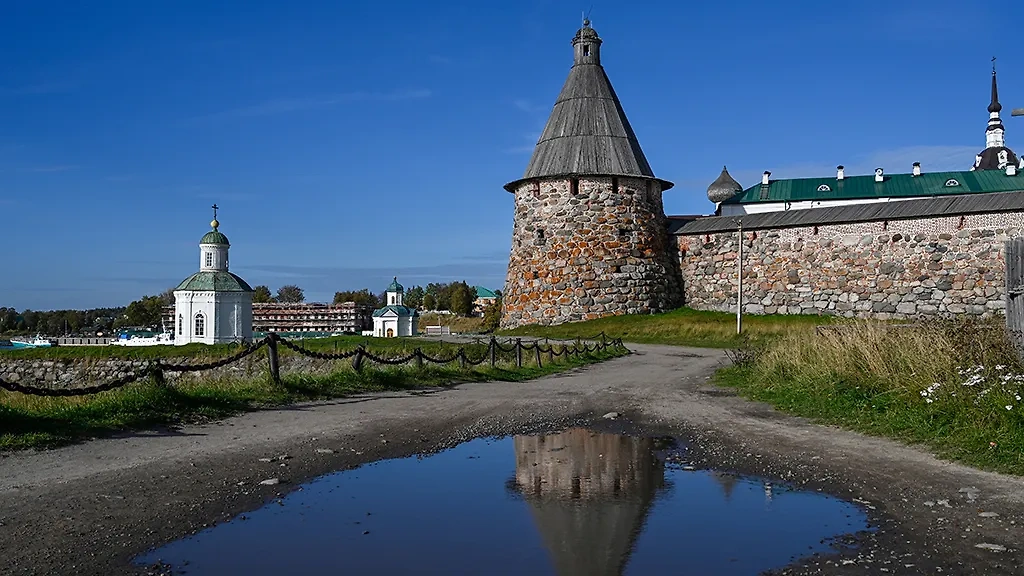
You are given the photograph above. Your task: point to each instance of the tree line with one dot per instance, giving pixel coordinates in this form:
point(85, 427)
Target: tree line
point(454, 297)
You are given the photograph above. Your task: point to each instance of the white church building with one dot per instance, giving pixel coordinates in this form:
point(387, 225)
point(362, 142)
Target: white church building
point(213, 305)
point(394, 319)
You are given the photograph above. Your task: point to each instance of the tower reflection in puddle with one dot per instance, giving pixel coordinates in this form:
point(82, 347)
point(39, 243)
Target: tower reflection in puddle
point(589, 494)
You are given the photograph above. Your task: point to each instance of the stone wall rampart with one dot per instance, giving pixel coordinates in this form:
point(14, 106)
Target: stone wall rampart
point(81, 373)
point(587, 248)
point(930, 267)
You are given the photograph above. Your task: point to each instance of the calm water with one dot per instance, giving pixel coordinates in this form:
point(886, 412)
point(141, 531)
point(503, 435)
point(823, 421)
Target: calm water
point(576, 503)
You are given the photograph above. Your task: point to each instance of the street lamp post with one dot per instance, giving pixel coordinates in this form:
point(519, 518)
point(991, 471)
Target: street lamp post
point(739, 277)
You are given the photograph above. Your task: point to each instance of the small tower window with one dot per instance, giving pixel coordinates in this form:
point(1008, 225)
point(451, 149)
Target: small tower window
point(586, 49)
point(200, 325)
point(181, 323)
point(623, 233)
point(209, 259)
point(615, 184)
point(574, 186)
point(540, 234)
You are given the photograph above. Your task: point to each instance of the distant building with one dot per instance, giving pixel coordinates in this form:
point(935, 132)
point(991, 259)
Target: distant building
point(394, 319)
point(311, 317)
point(213, 305)
point(484, 298)
point(994, 169)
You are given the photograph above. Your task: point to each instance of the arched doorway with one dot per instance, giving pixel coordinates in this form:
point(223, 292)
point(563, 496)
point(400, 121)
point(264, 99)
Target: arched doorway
point(391, 333)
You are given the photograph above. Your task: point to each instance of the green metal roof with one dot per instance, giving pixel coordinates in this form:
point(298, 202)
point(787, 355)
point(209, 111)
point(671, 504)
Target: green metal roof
point(395, 286)
point(401, 311)
point(482, 292)
point(210, 281)
point(215, 237)
point(892, 186)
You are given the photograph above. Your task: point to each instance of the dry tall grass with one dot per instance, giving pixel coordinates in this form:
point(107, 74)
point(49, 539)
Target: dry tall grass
point(956, 386)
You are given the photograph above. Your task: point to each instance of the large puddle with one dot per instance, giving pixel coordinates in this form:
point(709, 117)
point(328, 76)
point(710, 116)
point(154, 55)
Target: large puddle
point(575, 503)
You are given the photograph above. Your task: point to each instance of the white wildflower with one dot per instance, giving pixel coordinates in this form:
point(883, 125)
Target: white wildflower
point(1000, 367)
point(929, 400)
point(1009, 407)
point(1017, 396)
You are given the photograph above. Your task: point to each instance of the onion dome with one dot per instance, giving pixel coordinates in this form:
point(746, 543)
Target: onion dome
point(395, 286)
point(724, 187)
point(215, 236)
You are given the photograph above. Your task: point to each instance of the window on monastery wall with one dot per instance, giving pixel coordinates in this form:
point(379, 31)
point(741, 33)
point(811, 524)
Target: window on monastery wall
point(181, 323)
point(209, 259)
point(586, 49)
point(200, 325)
point(574, 186)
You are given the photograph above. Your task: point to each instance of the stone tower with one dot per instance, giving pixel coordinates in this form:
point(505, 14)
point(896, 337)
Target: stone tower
point(589, 237)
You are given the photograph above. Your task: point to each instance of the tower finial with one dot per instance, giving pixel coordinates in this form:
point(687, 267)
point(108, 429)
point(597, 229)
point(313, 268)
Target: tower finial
point(214, 224)
point(994, 106)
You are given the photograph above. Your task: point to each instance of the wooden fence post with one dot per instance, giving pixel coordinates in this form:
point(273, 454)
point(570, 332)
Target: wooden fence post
point(536, 349)
point(462, 358)
point(519, 352)
point(419, 359)
point(551, 354)
point(272, 358)
point(494, 351)
point(158, 375)
point(357, 360)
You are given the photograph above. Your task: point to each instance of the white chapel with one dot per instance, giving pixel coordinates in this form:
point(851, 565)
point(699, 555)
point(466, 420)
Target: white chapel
point(213, 305)
point(394, 319)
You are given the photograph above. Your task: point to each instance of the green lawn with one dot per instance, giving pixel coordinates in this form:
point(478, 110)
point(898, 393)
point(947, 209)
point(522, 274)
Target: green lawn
point(682, 327)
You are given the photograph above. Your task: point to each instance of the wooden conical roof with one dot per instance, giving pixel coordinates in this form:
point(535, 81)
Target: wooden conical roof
point(587, 133)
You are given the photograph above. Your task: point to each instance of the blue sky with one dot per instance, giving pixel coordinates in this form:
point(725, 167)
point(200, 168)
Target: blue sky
point(348, 142)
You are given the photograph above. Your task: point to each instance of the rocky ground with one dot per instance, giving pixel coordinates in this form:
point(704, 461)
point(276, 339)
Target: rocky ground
point(92, 507)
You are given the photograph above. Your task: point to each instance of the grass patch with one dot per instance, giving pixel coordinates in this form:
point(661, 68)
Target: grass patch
point(955, 387)
point(682, 327)
point(458, 324)
point(34, 421)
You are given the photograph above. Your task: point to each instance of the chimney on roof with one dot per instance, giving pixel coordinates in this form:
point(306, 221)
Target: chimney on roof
point(878, 175)
point(764, 177)
point(917, 168)
point(839, 172)
point(1011, 170)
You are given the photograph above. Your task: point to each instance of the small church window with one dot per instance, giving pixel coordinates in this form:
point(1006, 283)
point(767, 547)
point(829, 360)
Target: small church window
point(209, 259)
point(586, 49)
point(200, 324)
point(540, 233)
point(574, 186)
point(181, 323)
point(615, 184)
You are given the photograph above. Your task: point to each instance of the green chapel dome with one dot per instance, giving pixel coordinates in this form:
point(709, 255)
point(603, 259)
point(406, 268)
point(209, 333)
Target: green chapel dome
point(395, 286)
point(215, 236)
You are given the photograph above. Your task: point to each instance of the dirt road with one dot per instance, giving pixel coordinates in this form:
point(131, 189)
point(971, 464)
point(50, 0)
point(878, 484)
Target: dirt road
point(90, 508)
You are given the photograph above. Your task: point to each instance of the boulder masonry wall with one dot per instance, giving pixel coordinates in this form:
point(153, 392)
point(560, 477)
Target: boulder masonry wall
point(587, 248)
point(928, 267)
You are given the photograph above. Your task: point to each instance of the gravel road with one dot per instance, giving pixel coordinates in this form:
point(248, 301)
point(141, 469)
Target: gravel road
point(91, 507)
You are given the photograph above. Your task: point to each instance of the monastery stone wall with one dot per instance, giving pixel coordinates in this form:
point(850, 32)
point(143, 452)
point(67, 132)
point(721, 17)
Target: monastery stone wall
point(934, 267)
point(81, 373)
point(586, 251)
